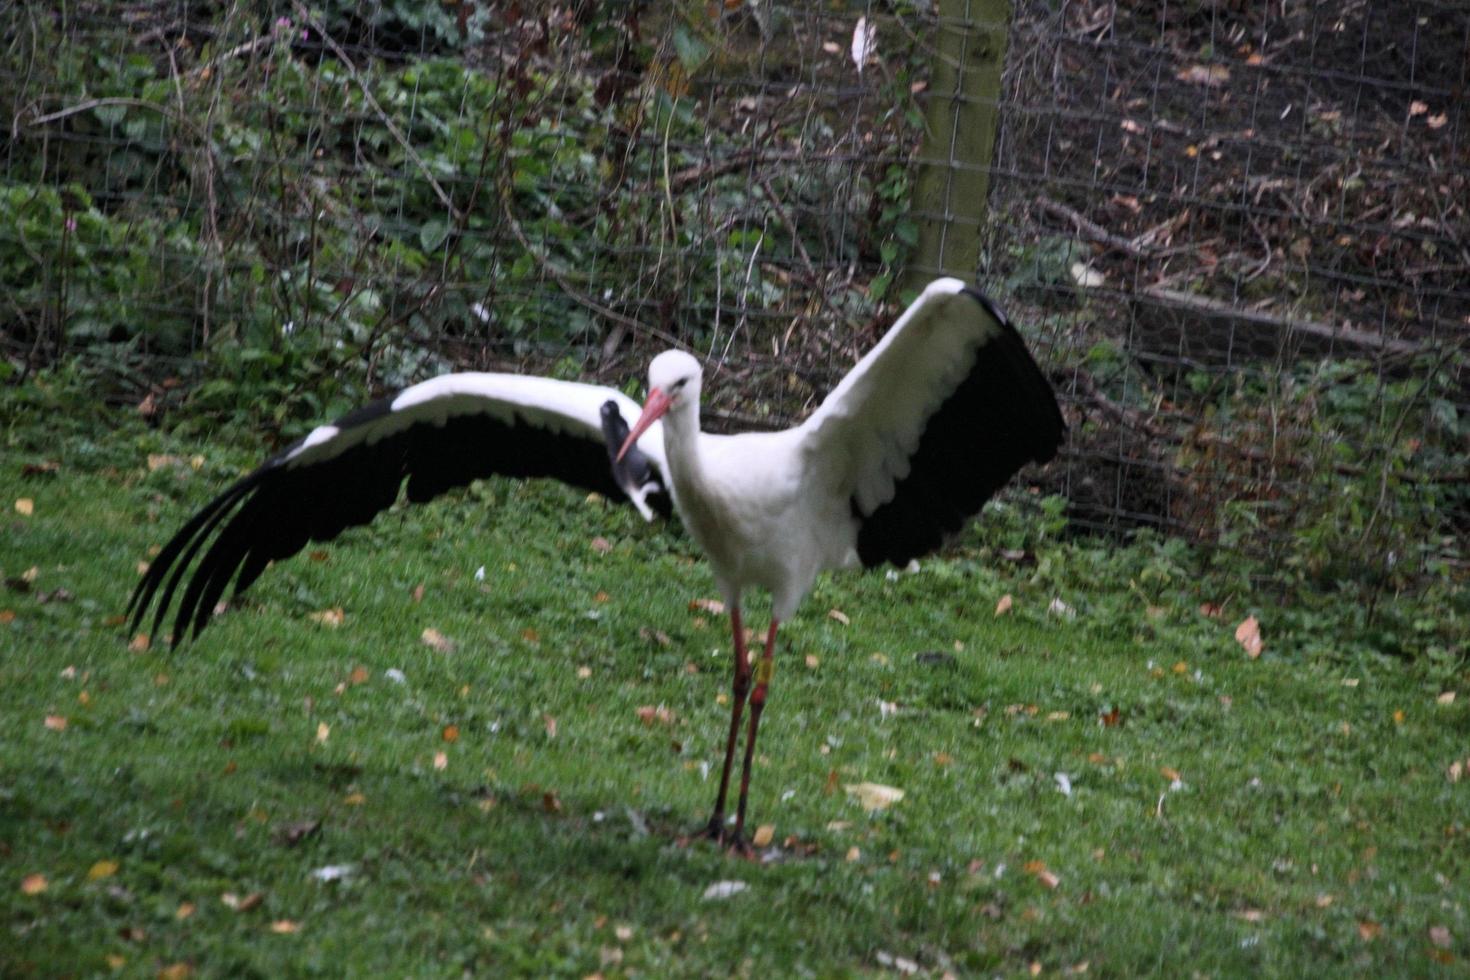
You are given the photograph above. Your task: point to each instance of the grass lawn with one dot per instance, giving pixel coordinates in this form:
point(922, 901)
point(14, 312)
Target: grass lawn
point(1117, 792)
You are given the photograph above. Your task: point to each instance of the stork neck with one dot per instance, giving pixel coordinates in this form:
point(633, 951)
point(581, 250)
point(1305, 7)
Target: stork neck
point(681, 443)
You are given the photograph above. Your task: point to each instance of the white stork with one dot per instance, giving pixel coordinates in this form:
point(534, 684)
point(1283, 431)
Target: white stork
point(910, 445)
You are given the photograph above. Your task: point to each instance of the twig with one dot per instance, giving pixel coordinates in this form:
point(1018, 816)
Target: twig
point(790, 226)
point(1091, 230)
point(560, 278)
point(387, 120)
point(1324, 331)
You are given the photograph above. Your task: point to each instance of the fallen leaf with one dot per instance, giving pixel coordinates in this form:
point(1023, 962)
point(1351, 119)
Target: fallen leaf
point(1211, 610)
point(943, 758)
point(531, 636)
point(102, 869)
point(33, 884)
point(175, 971)
point(139, 643)
point(25, 506)
point(601, 545)
point(1004, 605)
point(1250, 915)
point(812, 662)
point(854, 853)
point(712, 606)
point(359, 675)
point(1437, 121)
point(550, 802)
point(840, 616)
point(331, 618)
point(763, 835)
point(323, 730)
point(441, 760)
point(450, 733)
point(1248, 635)
point(724, 889)
point(1447, 697)
point(874, 796)
point(584, 672)
point(1172, 775)
point(1111, 719)
point(184, 910)
point(864, 42)
point(7, 616)
point(238, 904)
point(1417, 108)
point(354, 799)
point(437, 641)
point(293, 833)
point(1398, 717)
point(57, 723)
point(550, 722)
point(285, 927)
point(1369, 930)
point(1210, 76)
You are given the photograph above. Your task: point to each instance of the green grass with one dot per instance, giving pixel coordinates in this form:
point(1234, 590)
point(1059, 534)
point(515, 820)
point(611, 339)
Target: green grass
point(1314, 828)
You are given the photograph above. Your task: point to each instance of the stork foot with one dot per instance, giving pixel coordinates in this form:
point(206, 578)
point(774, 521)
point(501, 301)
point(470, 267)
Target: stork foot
point(727, 837)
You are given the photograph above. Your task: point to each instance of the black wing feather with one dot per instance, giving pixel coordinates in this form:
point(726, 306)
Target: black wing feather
point(1002, 416)
point(273, 512)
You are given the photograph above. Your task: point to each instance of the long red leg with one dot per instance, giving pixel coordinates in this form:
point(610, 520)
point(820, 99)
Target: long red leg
point(757, 705)
point(738, 690)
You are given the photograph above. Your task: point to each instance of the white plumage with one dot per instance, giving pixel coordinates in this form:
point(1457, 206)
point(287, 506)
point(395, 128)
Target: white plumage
point(912, 442)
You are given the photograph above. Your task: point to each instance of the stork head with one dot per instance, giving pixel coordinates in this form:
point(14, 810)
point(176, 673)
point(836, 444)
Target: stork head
point(673, 383)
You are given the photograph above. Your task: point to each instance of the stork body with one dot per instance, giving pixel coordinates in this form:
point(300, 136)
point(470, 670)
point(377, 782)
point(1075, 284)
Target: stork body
point(909, 446)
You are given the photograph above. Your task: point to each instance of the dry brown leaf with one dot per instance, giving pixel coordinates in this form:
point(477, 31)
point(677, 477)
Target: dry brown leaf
point(175, 971)
point(840, 616)
point(359, 675)
point(331, 618)
point(550, 802)
point(285, 927)
point(1004, 605)
point(450, 733)
point(1437, 121)
point(874, 796)
point(1369, 930)
point(437, 641)
point(1417, 108)
point(943, 758)
point(184, 910)
point(7, 616)
point(1446, 697)
point(1172, 775)
point(102, 869)
point(601, 545)
point(1251, 915)
point(25, 506)
point(712, 606)
point(323, 731)
point(853, 853)
point(33, 884)
point(354, 799)
point(441, 760)
point(531, 636)
point(1210, 76)
point(550, 722)
point(1211, 610)
point(812, 662)
point(1398, 717)
point(57, 723)
point(763, 835)
point(1248, 635)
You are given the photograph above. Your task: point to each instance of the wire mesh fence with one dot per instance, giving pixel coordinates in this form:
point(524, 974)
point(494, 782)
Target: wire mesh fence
point(1236, 233)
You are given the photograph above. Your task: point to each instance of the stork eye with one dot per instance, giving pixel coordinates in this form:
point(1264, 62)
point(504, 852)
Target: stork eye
point(678, 386)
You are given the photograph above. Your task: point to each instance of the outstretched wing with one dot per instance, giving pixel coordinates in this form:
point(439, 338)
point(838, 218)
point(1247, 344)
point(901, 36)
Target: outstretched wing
point(931, 423)
point(435, 435)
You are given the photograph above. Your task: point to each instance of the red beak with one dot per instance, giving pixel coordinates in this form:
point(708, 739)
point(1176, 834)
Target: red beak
point(658, 403)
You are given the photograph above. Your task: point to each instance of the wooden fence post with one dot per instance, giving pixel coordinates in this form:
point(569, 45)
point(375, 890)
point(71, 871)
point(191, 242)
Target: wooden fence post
point(960, 118)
